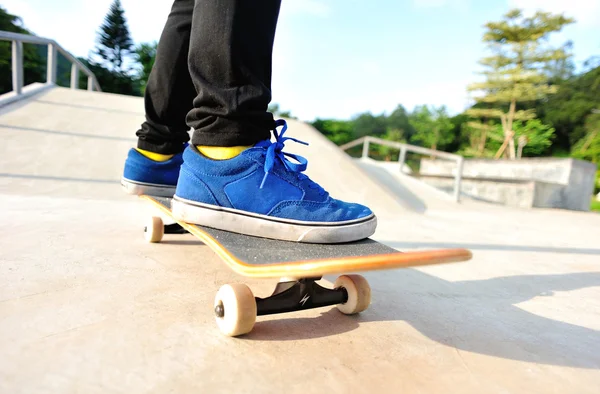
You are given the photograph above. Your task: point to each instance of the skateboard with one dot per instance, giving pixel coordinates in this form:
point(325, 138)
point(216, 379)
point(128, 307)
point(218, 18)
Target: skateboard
point(297, 266)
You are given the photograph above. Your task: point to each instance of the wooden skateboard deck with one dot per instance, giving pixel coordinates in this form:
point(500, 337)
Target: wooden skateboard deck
point(298, 266)
point(267, 258)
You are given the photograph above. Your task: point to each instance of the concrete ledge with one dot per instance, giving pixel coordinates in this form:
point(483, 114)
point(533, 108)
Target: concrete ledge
point(555, 183)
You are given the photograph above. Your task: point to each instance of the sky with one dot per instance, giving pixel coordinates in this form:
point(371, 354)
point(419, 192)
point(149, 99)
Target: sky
point(339, 58)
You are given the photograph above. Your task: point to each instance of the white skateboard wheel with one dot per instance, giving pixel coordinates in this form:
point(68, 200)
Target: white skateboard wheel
point(155, 229)
point(359, 293)
point(235, 309)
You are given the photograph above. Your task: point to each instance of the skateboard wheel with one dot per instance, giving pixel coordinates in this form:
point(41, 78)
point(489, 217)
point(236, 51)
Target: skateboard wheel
point(154, 230)
point(235, 309)
point(359, 293)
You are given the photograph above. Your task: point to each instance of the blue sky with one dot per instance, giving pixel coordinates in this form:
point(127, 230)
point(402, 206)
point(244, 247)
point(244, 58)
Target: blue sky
point(337, 58)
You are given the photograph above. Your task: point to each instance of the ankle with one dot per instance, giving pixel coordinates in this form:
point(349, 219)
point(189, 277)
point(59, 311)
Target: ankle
point(153, 155)
point(221, 152)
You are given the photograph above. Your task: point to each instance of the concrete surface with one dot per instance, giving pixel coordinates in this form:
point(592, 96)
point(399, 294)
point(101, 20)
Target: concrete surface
point(86, 306)
point(573, 181)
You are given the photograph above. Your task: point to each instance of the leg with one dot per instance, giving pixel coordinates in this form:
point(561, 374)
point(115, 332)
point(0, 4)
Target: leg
point(170, 91)
point(230, 64)
point(233, 177)
point(153, 168)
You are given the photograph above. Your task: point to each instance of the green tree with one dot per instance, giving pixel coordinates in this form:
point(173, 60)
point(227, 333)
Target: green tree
point(115, 45)
point(433, 128)
point(145, 55)
point(398, 121)
point(113, 60)
point(369, 124)
point(337, 131)
point(588, 147)
point(568, 109)
point(34, 65)
point(517, 71)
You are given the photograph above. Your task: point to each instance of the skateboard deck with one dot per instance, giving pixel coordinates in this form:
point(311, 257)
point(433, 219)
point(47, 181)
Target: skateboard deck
point(298, 266)
point(267, 258)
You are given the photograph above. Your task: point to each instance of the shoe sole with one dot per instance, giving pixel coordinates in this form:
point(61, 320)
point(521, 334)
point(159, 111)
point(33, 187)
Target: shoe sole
point(150, 189)
point(269, 227)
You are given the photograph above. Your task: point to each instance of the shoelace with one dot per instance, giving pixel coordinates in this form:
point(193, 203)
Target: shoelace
point(275, 151)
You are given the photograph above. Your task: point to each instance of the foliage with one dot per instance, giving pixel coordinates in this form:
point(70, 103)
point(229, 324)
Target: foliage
point(34, 65)
point(588, 147)
point(568, 109)
point(536, 135)
point(338, 131)
point(145, 55)
point(113, 58)
point(433, 126)
point(369, 124)
point(517, 71)
point(115, 45)
point(595, 205)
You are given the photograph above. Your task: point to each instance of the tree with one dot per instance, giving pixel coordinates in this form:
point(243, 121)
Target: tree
point(34, 66)
point(112, 61)
point(368, 124)
point(337, 131)
point(517, 72)
point(145, 55)
point(398, 121)
point(433, 126)
point(568, 109)
point(115, 45)
point(588, 147)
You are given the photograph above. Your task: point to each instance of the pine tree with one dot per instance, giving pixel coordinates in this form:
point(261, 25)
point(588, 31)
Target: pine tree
point(115, 45)
point(517, 72)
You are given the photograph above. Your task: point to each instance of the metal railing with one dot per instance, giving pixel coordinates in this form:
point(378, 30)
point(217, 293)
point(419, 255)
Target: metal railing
point(404, 148)
point(53, 49)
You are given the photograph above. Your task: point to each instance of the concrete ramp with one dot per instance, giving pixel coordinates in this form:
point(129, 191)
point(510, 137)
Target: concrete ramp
point(410, 193)
point(67, 143)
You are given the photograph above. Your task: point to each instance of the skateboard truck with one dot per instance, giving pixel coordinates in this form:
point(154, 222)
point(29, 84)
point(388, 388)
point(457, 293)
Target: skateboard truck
point(292, 296)
point(236, 308)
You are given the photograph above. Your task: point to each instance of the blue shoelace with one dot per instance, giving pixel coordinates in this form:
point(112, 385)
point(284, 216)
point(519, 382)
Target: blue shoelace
point(275, 151)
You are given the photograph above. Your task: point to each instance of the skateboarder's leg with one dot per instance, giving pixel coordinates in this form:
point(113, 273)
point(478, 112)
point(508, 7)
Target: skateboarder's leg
point(230, 64)
point(233, 177)
point(169, 91)
point(153, 167)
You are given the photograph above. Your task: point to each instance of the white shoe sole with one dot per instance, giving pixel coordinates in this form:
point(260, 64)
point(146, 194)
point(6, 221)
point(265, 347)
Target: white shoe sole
point(150, 189)
point(269, 227)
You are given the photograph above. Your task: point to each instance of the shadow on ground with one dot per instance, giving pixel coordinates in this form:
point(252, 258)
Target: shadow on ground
point(478, 316)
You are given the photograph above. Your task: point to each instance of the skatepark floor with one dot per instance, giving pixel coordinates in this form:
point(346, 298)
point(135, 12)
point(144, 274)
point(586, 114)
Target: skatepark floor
point(86, 305)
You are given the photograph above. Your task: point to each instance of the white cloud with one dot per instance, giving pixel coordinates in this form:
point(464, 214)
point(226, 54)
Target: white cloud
point(585, 12)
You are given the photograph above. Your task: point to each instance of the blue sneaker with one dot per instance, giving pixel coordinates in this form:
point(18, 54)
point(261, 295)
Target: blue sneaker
point(261, 193)
point(145, 176)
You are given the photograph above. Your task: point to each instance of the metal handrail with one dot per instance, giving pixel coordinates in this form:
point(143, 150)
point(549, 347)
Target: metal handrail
point(53, 49)
point(404, 148)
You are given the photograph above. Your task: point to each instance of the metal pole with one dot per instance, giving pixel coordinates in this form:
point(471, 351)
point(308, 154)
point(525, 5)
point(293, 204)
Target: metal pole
point(365, 151)
point(17, 66)
point(402, 158)
point(74, 76)
point(90, 85)
point(51, 71)
point(458, 179)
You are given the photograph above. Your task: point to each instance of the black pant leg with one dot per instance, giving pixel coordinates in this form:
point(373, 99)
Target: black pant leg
point(170, 92)
point(230, 62)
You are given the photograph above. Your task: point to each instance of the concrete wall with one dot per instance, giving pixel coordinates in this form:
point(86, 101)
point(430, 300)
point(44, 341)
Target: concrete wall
point(554, 183)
